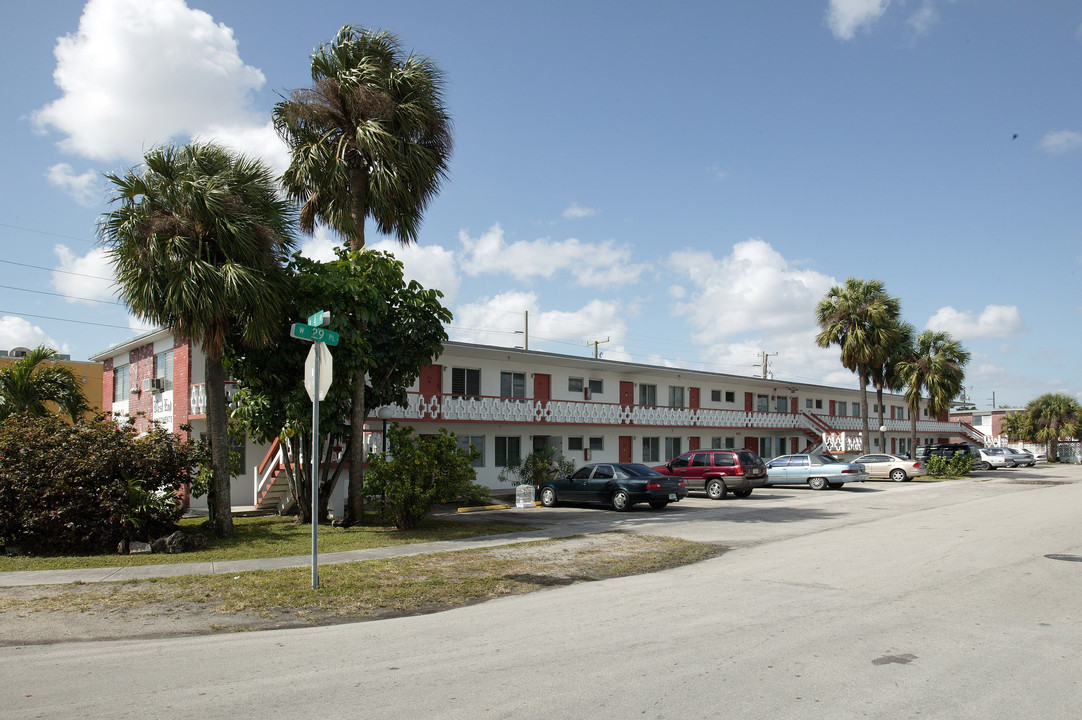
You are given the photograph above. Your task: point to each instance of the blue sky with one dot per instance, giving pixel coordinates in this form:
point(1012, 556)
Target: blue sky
point(683, 179)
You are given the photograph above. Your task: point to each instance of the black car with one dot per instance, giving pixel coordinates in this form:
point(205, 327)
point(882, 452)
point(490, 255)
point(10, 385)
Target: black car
point(946, 450)
point(619, 485)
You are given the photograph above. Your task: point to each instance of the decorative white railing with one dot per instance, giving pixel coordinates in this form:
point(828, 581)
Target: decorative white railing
point(197, 399)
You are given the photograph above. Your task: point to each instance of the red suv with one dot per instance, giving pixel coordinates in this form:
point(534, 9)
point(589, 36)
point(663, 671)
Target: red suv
point(718, 471)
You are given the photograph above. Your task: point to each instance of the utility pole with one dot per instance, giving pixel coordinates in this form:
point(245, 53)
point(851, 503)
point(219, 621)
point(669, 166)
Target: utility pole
point(525, 331)
point(766, 362)
point(595, 343)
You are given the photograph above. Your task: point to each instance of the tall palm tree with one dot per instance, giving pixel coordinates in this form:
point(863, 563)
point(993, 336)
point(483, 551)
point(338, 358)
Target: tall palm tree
point(28, 385)
point(1053, 417)
point(198, 242)
point(369, 139)
point(862, 319)
point(934, 364)
point(884, 375)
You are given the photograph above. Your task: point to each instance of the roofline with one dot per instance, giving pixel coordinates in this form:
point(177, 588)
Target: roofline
point(137, 341)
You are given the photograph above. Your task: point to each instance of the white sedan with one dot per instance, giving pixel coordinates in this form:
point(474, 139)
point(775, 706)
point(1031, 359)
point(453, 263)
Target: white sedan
point(892, 467)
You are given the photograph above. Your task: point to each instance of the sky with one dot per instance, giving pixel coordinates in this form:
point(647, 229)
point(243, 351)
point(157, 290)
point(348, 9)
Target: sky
point(679, 182)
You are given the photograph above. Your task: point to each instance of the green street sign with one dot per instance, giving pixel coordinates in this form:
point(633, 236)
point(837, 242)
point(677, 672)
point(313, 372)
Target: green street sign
point(315, 334)
point(316, 319)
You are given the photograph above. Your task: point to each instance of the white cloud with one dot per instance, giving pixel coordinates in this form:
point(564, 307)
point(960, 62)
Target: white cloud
point(140, 72)
point(320, 246)
point(575, 211)
point(17, 332)
point(1060, 142)
point(751, 301)
point(924, 18)
point(83, 279)
point(259, 141)
point(140, 326)
point(592, 264)
point(87, 188)
point(430, 265)
point(845, 17)
point(499, 320)
point(995, 321)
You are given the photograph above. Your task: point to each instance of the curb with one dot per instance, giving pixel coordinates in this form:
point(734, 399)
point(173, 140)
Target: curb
point(479, 508)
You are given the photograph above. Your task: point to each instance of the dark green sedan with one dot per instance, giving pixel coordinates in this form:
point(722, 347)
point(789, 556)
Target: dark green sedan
point(618, 485)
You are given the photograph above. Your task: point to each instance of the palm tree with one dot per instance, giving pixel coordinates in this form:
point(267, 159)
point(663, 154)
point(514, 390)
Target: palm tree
point(198, 243)
point(1050, 418)
point(369, 139)
point(862, 319)
point(28, 385)
point(884, 376)
point(934, 363)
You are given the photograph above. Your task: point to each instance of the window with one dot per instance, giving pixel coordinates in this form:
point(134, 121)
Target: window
point(901, 412)
point(715, 443)
point(163, 367)
point(596, 387)
point(121, 388)
point(782, 404)
point(762, 402)
point(651, 449)
point(715, 396)
point(478, 442)
point(465, 382)
point(808, 403)
point(724, 459)
point(856, 409)
point(647, 394)
point(574, 443)
point(676, 396)
point(673, 447)
point(700, 460)
point(597, 443)
point(512, 385)
point(680, 462)
point(237, 446)
point(841, 409)
point(508, 451)
point(730, 396)
point(574, 385)
point(819, 403)
point(604, 472)
point(730, 442)
point(766, 447)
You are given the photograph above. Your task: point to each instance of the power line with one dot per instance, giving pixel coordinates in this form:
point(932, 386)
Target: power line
point(48, 269)
point(49, 317)
point(50, 234)
point(70, 297)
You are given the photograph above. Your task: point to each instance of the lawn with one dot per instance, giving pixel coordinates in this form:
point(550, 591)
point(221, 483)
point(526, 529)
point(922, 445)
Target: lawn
point(273, 536)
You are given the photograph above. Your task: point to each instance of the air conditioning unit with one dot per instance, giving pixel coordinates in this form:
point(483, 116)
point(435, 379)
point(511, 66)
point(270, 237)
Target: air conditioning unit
point(156, 385)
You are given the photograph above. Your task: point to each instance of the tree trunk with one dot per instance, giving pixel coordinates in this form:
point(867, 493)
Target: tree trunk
point(864, 439)
point(913, 432)
point(882, 434)
point(218, 432)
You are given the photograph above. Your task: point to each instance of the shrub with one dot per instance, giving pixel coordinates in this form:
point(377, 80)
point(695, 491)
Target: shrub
point(957, 466)
point(422, 470)
point(83, 488)
point(537, 467)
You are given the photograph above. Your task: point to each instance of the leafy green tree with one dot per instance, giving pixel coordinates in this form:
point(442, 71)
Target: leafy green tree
point(369, 139)
point(884, 376)
point(198, 242)
point(861, 319)
point(36, 380)
point(934, 363)
point(1049, 418)
point(405, 333)
point(421, 471)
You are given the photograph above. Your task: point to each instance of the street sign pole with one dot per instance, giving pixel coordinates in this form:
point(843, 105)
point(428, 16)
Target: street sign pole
point(313, 465)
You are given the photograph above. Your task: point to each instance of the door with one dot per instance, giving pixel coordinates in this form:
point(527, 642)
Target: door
point(627, 397)
point(700, 463)
point(625, 448)
point(599, 486)
point(574, 488)
point(542, 390)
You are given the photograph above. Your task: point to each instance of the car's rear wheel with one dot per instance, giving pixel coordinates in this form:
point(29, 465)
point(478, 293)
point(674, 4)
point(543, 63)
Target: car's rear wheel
point(621, 502)
point(715, 489)
point(898, 475)
point(548, 497)
point(658, 504)
point(986, 466)
point(742, 493)
point(817, 483)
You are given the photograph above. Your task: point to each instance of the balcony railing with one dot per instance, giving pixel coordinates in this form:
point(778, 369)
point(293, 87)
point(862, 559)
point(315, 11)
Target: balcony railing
point(197, 401)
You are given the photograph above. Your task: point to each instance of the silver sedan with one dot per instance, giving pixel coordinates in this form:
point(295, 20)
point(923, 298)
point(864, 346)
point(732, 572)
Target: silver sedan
point(818, 471)
point(893, 467)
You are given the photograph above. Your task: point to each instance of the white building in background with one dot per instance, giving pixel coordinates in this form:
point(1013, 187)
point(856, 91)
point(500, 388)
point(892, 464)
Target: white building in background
point(508, 402)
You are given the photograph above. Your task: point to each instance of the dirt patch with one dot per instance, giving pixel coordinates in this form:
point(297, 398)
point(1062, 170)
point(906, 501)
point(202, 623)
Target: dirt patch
point(352, 592)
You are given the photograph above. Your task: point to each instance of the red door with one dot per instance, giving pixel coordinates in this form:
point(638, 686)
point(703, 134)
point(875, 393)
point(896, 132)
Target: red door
point(627, 396)
point(625, 448)
point(693, 443)
point(752, 443)
point(749, 402)
point(693, 399)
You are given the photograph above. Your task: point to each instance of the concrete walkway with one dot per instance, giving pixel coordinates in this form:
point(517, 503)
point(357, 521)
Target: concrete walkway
point(144, 572)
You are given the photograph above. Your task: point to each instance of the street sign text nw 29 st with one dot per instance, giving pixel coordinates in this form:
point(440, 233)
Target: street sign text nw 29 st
point(315, 334)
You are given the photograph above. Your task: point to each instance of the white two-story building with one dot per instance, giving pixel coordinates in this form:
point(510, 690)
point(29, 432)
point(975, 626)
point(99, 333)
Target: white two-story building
point(508, 402)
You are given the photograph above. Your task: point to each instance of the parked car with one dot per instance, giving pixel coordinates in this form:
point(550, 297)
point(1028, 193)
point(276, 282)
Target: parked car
point(619, 485)
point(1021, 457)
point(818, 471)
point(946, 450)
point(718, 472)
point(991, 458)
point(893, 467)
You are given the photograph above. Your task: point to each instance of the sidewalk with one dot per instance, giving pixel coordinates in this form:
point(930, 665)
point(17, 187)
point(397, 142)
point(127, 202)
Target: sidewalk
point(144, 572)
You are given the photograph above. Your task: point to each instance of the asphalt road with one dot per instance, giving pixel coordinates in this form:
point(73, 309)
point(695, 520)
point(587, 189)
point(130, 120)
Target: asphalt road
point(911, 600)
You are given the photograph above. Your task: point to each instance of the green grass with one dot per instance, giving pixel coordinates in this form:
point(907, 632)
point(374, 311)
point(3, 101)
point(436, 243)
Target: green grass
point(376, 588)
point(272, 536)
